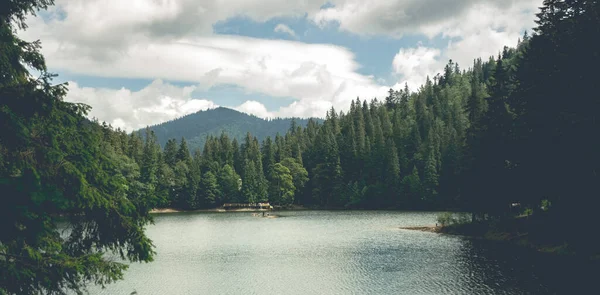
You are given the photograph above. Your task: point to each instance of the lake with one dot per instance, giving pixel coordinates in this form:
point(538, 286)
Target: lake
point(334, 252)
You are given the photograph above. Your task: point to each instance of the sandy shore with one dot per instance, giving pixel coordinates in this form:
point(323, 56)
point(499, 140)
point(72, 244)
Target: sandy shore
point(164, 210)
point(431, 229)
point(171, 210)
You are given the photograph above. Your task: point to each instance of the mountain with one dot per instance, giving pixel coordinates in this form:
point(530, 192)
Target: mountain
point(197, 126)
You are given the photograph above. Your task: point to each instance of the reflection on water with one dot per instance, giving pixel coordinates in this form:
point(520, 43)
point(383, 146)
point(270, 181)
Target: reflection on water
point(346, 252)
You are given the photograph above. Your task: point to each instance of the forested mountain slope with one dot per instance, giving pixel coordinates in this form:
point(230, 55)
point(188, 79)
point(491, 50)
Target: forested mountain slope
point(197, 126)
point(519, 127)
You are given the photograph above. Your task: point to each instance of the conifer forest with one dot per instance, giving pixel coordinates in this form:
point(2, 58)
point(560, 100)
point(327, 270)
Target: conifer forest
point(520, 127)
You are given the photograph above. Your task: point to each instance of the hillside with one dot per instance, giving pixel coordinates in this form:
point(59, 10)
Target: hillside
point(195, 127)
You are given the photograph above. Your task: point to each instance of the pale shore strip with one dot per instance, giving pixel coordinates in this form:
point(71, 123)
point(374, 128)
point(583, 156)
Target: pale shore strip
point(431, 229)
point(171, 210)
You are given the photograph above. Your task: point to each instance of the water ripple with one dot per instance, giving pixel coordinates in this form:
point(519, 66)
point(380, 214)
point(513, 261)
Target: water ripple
point(317, 252)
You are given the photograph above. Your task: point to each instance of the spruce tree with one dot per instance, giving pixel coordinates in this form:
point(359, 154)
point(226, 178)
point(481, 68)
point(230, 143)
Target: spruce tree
point(57, 168)
point(209, 193)
point(183, 153)
point(170, 153)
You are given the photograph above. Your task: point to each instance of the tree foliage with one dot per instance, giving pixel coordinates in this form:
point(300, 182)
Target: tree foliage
point(56, 165)
point(519, 127)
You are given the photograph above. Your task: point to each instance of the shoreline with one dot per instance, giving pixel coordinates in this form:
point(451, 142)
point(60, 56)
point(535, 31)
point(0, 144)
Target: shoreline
point(507, 237)
point(218, 210)
point(429, 229)
point(293, 208)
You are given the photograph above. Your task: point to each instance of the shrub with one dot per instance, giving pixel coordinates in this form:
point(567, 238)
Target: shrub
point(444, 219)
point(449, 218)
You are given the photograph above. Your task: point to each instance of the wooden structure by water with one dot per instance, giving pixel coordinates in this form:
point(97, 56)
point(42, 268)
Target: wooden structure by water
point(248, 206)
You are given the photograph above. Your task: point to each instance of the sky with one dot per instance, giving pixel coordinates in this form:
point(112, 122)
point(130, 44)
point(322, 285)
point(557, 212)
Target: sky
point(142, 62)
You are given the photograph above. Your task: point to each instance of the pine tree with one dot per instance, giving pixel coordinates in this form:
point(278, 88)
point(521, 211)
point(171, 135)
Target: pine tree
point(149, 165)
point(237, 157)
point(268, 156)
point(225, 150)
point(228, 182)
point(430, 181)
point(250, 183)
point(391, 173)
point(209, 190)
point(391, 100)
point(412, 190)
point(170, 153)
point(136, 147)
point(183, 154)
point(368, 123)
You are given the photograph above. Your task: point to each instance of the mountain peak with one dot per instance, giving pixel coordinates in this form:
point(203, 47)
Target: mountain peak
point(197, 126)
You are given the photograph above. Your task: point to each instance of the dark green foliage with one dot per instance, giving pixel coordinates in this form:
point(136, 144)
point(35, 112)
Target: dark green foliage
point(170, 153)
point(230, 184)
point(556, 102)
point(517, 128)
point(282, 189)
point(209, 193)
point(411, 188)
point(59, 172)
point(299, 173)
point(252, 186)
point(183, 154)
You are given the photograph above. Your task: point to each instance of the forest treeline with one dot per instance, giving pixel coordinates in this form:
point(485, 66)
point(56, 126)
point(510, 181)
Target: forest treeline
point(412, 150)
point(519, 127)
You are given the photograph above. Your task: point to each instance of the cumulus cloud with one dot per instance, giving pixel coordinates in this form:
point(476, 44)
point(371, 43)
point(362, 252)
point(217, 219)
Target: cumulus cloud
point(281, 28)
point(130, 110)
point(173, 40)
point(278, 68)
point(482, 30)
point(415, 64)
point(430, 17)
point(254, 108)
point(112, 23)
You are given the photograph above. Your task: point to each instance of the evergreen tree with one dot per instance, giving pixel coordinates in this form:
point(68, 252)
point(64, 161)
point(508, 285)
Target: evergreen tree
point(183, 154)
point(237, 156)
point(268, 156)
point(299, 173)
point(430, 181)
point(209, 190)
point(250, 183)
point(282, 187)
point(56, 167)
point(391, 174)
point(411, 187)
point(229, 184)
point(149, 164)
point(170, 153)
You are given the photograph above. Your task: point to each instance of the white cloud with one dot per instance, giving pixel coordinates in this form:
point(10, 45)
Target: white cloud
point(480, 31)
point(96, 21)
point(429, 17)
point(278, 68)
point(415, 64)
point(129, 110)
point(281, 28)
point(254, 108)
point(173, 40)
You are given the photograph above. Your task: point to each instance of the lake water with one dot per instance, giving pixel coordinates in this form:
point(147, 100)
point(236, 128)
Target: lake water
point(323, 252)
